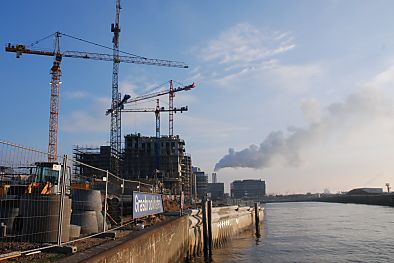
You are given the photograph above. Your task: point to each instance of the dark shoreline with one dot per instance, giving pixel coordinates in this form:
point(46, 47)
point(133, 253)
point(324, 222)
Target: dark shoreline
point(385, 199)
point(367, 199)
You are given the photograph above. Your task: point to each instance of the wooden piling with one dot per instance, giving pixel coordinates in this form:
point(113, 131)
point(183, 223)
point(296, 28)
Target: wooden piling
point(257, 218)
point(205, 227)
point(210, 228)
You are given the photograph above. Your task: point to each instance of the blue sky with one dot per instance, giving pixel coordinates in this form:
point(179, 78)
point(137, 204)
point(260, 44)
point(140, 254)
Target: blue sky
point(308, 83)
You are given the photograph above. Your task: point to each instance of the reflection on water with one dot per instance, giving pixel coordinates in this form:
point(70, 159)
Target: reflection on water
point(315, 232)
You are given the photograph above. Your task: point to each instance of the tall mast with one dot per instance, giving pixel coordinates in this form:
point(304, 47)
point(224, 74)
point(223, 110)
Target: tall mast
point(54, 103)
point(115, 136)
point(171, 95)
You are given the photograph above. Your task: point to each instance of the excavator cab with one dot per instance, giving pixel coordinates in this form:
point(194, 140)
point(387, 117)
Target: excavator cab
point(48, 172)
point(47, 178)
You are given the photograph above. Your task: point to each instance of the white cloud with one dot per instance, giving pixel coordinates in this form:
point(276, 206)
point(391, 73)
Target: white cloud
point(383, 79)
point(244, 43)
point(274, 75)
point(246, 54)
point(92, 119)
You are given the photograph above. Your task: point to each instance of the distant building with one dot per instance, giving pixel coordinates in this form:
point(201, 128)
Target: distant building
point(363, 191)
point(248, 189)
point(193, 186)
point(201, 182)
point(188, 180)
point(216, 190)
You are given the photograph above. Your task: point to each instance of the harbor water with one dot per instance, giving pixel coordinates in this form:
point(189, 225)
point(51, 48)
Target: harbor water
point(316, 232)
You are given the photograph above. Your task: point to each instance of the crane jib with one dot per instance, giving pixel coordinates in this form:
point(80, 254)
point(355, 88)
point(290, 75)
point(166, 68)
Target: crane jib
point(21, 49)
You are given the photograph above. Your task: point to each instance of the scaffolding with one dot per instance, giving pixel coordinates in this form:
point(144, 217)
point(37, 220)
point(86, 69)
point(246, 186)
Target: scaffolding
point(95, 156)
point(158, 161)
point(171, 168)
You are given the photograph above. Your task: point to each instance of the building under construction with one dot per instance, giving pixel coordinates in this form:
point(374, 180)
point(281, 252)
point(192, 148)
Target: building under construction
point(161, 161)
point(99, 157)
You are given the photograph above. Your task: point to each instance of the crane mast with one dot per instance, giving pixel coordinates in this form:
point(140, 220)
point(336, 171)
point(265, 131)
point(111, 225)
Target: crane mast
point(54, 101)
point(171, 113)
point(157, 115)
point(115, 134)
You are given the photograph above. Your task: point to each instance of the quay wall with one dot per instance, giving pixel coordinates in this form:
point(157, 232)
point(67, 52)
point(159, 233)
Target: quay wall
point(176, 240)
point(227, 222)
point(163, 243)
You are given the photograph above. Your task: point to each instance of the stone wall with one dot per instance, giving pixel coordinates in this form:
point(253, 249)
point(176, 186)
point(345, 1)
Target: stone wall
point(172, 241)
point(161, 244)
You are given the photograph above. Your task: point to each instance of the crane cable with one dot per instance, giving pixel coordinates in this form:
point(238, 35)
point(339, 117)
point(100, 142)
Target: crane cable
point(99, 45)
point(42, 39)
point(83, 40)
point(156, 88)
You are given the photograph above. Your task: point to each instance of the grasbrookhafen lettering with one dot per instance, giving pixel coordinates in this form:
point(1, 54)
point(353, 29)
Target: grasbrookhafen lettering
point(147, 204)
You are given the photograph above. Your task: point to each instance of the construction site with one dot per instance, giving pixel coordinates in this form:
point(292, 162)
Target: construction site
point(160, 160)
point(48, 199)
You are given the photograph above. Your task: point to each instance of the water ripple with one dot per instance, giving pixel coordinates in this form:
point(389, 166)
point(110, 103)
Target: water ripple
point(316, 232)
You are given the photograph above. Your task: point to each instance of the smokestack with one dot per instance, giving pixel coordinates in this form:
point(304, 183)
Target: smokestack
point(214, 178)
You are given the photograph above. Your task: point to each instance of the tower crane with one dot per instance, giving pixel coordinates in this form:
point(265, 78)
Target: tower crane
point(171, 96)
point(157, 111)
point(20, 49)
point(127, 99)
point(115, 134)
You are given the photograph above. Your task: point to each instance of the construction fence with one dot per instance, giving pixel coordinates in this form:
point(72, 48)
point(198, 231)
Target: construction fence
point(43, 204)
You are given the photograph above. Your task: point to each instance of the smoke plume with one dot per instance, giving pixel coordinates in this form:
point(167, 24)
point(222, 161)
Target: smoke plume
point(341, 121)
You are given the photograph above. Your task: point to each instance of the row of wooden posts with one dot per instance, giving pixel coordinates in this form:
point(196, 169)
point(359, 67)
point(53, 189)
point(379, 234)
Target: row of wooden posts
point(207, 225)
